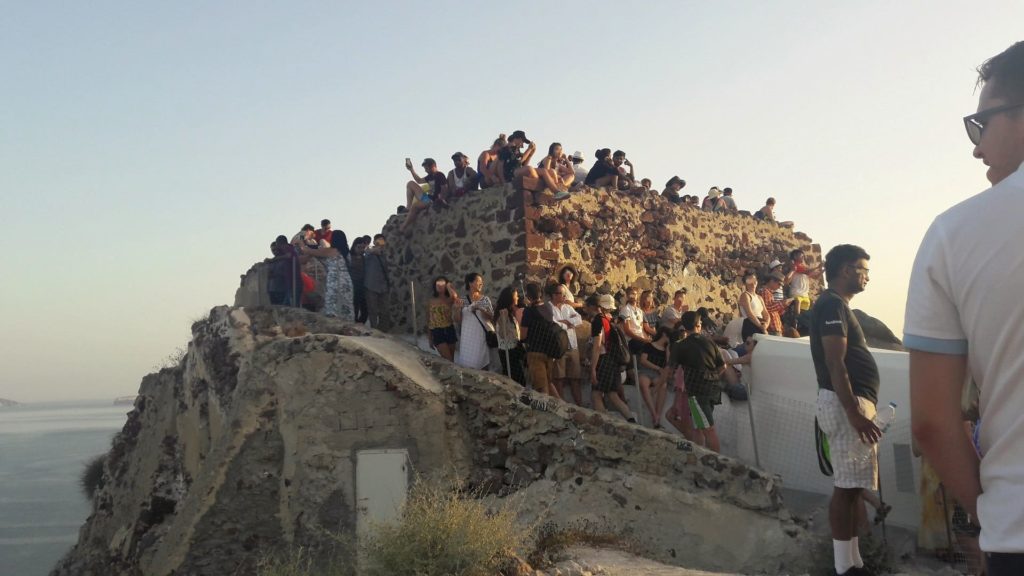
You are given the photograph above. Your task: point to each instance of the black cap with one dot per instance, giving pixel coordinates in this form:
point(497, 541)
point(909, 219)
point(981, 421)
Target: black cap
point(519, 134)
point(458, 155)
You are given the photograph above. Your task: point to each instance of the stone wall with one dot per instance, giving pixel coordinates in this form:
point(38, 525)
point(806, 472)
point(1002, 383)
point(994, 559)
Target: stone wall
point(250, 445)
point(613, 240)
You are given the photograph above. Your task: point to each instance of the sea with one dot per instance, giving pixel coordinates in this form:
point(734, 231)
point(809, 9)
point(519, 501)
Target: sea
point(43, 450)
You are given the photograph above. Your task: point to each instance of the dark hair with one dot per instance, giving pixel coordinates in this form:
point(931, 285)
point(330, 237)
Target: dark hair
point(660, 331)
point(470, 278)
point(794, 253)
point(679, 293)
point(358, 242)
point(689, 320)
point(1006, 69)
point(840, 256)
point(282, 239)
point(619, 154)
point(500, 142)
point(532, 292)
point(339, 242)
point(366, 238)
point(726, 191)
point(747, 274)
point(551, 149)
point(325, 222)
point(770, 201)
point(552, 289)
point(375, 236)
point(648, 180)
point(505, 300)
point(570, 268)
point(686, 197)
point(593, 300)
point(433, 286)
point(308, 227)
point(602, 153)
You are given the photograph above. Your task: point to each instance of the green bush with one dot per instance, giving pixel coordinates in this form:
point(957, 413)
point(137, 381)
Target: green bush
point(442, 531)
point(91, 479)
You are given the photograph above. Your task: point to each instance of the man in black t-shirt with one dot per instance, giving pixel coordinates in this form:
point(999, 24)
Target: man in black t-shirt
point(847, 393)
point(702, 365)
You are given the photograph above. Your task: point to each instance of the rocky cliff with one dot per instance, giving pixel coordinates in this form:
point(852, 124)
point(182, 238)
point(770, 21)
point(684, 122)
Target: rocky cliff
point(254, 442)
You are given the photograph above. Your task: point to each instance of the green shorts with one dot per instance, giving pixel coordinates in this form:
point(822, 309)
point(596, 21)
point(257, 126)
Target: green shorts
point(701, 412)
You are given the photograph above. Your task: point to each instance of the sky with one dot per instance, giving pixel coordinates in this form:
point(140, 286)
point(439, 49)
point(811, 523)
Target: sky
point(149, 152)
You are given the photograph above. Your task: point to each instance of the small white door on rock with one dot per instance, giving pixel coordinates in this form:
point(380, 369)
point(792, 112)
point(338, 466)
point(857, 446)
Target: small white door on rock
point(382, 481)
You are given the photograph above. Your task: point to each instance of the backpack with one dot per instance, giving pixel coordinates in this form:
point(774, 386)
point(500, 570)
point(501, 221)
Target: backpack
point(546, 336)
point(618, 345)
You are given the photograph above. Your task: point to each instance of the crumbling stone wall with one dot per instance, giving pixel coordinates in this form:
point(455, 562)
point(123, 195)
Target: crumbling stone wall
point(613, 240)
point(251, 444)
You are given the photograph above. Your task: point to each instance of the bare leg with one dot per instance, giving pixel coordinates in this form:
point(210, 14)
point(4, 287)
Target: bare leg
point(645, 393)
point(553, 390)
point(660, 396)
point(842, 513)
point(577, 392)
point(412, 192)
point(414, 213)
point(446, 351)
point(597, 399)
point(711, 437)
point(621, 406)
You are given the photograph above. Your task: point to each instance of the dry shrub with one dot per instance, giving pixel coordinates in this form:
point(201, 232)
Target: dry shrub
point(443, 530)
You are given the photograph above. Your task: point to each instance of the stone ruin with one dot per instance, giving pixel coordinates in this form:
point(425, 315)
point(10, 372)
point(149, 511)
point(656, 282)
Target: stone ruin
point(255, 442)
point(613, 240)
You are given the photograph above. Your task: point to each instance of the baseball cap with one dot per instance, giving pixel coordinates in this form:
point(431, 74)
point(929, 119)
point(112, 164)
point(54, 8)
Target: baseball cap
point(519, 134)
point(606, 301)
point(775, 263)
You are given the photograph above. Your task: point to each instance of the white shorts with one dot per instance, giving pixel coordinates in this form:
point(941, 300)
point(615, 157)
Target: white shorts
point(843, 439)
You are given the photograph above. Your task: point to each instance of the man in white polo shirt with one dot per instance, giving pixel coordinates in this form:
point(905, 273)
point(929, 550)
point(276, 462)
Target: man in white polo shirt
point(567, 368)
point(965, 319)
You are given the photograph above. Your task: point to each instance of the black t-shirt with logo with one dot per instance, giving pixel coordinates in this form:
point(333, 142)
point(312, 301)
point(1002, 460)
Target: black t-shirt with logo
point(831, 316)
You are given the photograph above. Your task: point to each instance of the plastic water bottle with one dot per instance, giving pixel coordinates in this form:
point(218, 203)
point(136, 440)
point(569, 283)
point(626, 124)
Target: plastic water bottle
point(863, 452)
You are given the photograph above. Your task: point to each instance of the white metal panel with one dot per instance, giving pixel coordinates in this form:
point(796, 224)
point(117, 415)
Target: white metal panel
point(382, 482)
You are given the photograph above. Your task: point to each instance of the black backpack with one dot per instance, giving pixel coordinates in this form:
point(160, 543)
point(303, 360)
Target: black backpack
point(618, 345)
point(546, 336)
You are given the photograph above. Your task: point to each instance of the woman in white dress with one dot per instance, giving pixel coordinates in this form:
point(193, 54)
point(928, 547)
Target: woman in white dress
point(339, 295)
point(476, 317)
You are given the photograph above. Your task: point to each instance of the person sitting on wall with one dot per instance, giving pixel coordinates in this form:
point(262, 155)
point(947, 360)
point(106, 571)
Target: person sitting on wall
point(579, 171)
point(558, 168)
point(305, 237)
point(421, 193)
point(514, 163)
point(627, 180)
point(604, 172)
point(324, 233)
point(462, 178)
point(767, 212)
point(729, 203)
point(672, 188)
point(488, 161)
point(713, 201)
point(646, 184)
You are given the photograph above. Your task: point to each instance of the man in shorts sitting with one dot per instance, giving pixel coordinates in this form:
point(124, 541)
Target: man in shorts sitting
point(420, 193)
point(848, 385)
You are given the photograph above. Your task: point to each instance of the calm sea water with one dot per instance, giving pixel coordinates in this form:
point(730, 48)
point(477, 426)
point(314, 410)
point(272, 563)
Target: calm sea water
point(43, 450)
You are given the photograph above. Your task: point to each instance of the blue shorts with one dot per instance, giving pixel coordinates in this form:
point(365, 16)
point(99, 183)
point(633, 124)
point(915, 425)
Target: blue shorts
point(444, 335)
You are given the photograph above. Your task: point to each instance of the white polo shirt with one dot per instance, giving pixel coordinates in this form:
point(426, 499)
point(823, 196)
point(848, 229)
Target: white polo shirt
point(567, 312)
point(967, 297)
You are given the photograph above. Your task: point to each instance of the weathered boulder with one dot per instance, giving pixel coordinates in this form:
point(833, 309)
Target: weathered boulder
point(252, 443)
point(877, 333)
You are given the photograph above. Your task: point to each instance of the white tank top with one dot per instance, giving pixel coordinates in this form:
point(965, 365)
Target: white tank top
point(461, 182)
point(756, 306)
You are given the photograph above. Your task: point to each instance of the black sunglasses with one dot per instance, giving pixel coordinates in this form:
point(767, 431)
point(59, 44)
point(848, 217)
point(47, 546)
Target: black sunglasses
point(975, 123)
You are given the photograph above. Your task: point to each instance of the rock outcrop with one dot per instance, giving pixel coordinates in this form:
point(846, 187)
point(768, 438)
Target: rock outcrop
point(253, 442)
point(613, 240)
point(877, 333)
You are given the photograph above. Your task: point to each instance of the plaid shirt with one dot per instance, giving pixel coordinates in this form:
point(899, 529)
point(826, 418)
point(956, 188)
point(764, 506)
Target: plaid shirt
point(775, 309)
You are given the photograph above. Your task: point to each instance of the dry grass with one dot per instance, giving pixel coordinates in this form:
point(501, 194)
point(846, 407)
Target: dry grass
point(443, 531)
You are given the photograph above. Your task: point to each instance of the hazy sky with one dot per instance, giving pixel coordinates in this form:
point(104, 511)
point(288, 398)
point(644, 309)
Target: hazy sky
point(149, 152)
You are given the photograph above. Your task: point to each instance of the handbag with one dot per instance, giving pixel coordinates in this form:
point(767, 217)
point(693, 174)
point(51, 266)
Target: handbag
point(489, 335)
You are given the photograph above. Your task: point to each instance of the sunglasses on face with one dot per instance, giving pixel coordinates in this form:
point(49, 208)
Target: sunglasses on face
point(975, 123)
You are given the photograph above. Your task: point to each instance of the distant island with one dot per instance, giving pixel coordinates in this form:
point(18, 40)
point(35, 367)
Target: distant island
point(125, 400)
point(5, 403)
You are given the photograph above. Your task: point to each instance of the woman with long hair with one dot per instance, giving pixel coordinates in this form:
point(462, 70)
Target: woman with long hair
point(654, 372)
point(567, 277)
point(510, 348)
point(339, 295)
point(441, 328)
point(650, 311)
point(559, 169)
point(604, 172)
point(752, 309)
point(474, 318)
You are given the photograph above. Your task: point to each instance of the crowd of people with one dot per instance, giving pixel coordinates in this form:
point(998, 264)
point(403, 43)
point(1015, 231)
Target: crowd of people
point(509, 159)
